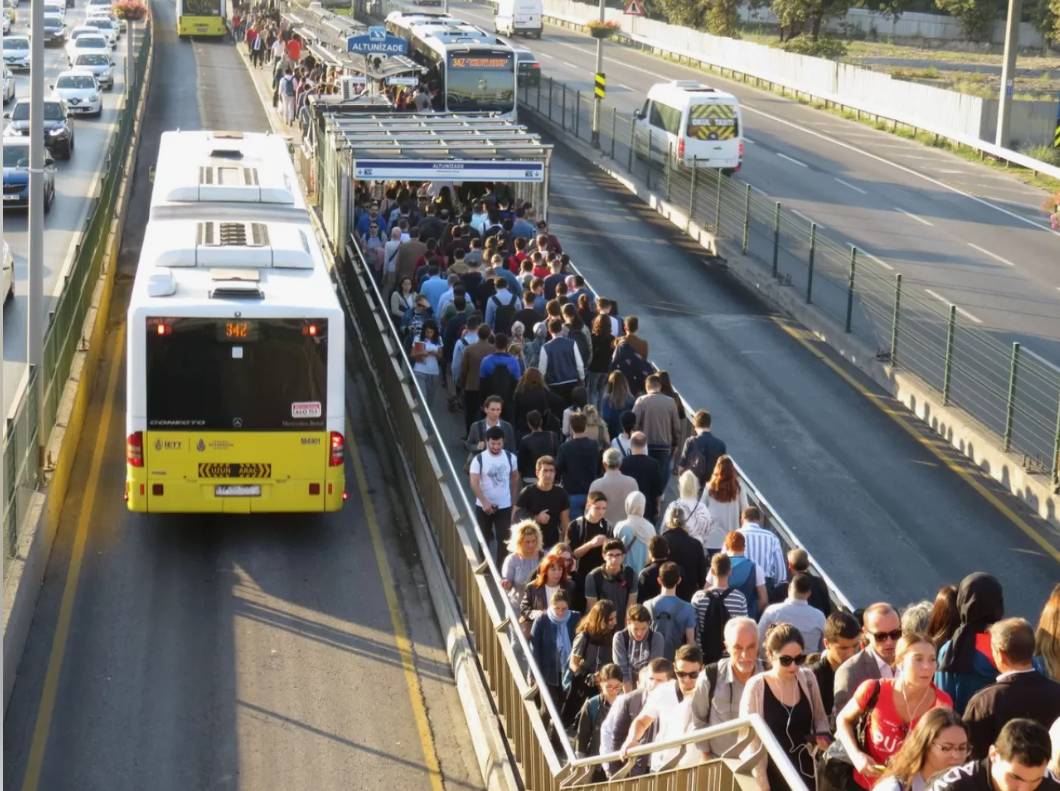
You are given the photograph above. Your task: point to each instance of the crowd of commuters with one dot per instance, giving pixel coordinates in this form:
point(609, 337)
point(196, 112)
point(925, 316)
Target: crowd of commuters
point(649, 619)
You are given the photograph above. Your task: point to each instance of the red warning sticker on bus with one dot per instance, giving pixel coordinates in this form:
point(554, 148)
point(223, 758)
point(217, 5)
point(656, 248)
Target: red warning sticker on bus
point(304, 409)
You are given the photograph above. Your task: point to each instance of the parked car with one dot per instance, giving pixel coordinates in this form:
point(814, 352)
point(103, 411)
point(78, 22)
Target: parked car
point(16, 175)
point(106, 27)
point(7, 273)
point(16, 52)
point(79, 89)
point(86, 43)
point(54, 29)
point(101, 64)
point(9, 85)
point(58, 127)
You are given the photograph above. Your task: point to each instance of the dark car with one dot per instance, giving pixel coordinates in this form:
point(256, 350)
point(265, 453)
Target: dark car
point(58, 128)
point(54, 29)
point(16, 175)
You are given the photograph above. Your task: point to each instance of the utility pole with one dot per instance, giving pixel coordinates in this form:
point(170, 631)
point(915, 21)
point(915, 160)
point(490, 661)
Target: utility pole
point(35, 308)
point(1008, 71)
point(597, 100)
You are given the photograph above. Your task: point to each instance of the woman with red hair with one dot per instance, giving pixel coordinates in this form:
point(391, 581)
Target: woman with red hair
point(552, 575)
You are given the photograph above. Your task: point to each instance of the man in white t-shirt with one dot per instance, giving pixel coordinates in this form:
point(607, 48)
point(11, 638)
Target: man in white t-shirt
point(495, 481)
point(670, 705)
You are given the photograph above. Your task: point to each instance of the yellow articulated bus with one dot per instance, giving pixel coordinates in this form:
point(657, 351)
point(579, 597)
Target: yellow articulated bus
point(235, 349)
point(201, 18)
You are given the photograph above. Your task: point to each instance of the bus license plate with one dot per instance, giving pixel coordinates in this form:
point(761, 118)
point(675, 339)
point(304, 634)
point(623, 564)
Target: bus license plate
point(228, 490)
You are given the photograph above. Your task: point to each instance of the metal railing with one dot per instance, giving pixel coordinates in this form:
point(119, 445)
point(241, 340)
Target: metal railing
point(1012, 391)
point(33, 417)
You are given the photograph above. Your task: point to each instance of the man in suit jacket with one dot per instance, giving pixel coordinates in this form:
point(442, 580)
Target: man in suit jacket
point(616, 725)
point(468, 379)
point(1020, 690)
point(882, 629)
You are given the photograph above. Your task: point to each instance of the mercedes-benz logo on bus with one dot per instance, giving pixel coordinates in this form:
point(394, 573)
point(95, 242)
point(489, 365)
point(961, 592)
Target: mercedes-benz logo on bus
point(237, 422)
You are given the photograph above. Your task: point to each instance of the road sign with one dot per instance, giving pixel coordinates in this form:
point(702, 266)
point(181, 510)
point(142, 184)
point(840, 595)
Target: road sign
point(600, 85)
point(635, 8)
point(377, 42)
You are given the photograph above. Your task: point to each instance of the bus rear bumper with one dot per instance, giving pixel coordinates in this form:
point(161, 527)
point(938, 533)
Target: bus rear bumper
point(234, 496)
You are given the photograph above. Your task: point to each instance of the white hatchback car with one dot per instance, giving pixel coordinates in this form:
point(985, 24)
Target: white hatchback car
point(79, 89)
point(16, 52)
point(106, 13)
point(86, 43)
point(100, 64)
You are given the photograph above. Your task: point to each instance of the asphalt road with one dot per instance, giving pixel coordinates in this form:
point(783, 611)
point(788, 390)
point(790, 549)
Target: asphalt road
point(886, 517)
point(209, 653)
point(75, 180)
point(968, 234)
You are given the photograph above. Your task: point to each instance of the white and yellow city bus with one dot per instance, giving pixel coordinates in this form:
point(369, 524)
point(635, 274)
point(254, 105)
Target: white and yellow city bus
point(201, 18)
point(235, 349)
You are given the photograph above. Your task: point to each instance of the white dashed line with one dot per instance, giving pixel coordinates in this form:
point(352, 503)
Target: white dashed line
point(947, 170)
point(880, 261)
point(995, 256)
point(545, 55)
point(798, 213)
point(622, 86)
point(569, 64)
point(851, 186)
point(792, 160)
point(960, 310)
point(912, 216)
point(748, 140)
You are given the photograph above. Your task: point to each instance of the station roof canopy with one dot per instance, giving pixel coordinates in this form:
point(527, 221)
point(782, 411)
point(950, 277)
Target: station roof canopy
point(433, 136)
point(325, 35)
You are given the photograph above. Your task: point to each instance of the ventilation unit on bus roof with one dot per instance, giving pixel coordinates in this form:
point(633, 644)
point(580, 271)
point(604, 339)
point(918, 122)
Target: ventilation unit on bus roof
point(233, 234)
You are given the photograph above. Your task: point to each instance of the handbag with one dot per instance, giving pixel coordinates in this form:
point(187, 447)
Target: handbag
point(835, 769)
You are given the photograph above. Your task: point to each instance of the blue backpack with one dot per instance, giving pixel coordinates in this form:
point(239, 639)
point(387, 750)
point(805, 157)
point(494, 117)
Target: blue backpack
point(664, 622)
point(742, 577)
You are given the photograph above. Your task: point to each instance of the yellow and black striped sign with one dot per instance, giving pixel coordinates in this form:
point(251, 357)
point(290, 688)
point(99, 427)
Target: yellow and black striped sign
point(234, 470)
point(712, 121)
point(1056, 137)
point(600, 85)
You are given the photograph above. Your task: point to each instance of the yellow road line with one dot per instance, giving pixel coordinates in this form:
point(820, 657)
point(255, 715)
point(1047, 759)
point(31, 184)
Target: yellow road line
point(73, 575)
point(902, 418)
point(397, 620)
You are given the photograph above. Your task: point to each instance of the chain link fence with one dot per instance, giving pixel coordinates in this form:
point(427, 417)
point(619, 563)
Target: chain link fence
point(34, 416)
point(1011, 390)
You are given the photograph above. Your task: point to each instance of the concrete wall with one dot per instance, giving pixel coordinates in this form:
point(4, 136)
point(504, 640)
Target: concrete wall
point(936, 109)
point(910, 25)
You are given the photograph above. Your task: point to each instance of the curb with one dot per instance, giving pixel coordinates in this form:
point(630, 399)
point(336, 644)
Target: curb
point(491, 751)
point(25, 573)
point(956, 428)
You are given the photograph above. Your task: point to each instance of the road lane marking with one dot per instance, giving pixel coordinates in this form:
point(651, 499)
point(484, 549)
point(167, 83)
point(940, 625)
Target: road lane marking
point(792, 159)
point(746, 139)
point(878, 260)
point(912, 216)
point(849, 185)
point(397, 620)
point(623, 86)
point(798, 213)
point(570, 65)
point(545, 55)
point(50, 688)
point(995, 256)
point(960, 310)
point(935, 445)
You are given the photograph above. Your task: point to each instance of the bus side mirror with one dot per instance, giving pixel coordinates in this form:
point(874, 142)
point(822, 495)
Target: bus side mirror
point(638, 114)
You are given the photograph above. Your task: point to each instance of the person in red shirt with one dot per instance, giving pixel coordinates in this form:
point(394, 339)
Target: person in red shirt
point(294, 49)
point(898, 706)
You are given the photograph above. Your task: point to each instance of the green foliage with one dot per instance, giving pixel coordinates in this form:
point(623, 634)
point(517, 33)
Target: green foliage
point(795, 16)
point(1047, 19)
point(686, 13)
point(976, 16)
point(831, 48)
point(723, 19)
point(892, 8)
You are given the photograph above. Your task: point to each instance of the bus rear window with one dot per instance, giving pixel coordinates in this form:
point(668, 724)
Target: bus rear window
point(236, 374)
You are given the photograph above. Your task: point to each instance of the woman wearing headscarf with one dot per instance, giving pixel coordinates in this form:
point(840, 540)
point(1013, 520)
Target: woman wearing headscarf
point(635, 532)
point(551, 640)
point(965, 661)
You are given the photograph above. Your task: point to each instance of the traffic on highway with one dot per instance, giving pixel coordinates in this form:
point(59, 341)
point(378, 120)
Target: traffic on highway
point(397, 397)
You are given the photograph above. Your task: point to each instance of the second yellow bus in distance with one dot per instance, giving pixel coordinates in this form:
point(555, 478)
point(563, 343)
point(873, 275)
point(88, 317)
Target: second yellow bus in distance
point(235, 350)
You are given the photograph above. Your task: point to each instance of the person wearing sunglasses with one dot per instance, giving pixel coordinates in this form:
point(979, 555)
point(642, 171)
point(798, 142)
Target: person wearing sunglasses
point(787, 697)
point(882, 629)
point(938, 743)
point(893, 707)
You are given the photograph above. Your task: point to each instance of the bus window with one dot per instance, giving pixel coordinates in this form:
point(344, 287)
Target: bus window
point(663, 116)
point(202, 8)
point(481, 82)
point(224, 374)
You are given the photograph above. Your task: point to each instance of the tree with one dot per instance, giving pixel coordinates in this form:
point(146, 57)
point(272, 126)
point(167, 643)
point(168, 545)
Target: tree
point(1046, 17)
point(723, 17)
point(892, 8)
point(794, 16)
point(977, 17)
point(686, 13)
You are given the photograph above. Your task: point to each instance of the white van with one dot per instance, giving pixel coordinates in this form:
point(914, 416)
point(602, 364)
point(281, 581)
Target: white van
point(697, 125)
point(518, 17)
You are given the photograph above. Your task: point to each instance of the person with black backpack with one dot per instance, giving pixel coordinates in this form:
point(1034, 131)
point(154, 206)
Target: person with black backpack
point(501, 307)
point(671, 616)
point(635, 646)
point(701, 452)
point(499, 374)
point(714, 606)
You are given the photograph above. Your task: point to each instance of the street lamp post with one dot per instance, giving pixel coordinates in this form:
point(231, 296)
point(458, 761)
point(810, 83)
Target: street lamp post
point(596, 95)
point(1008, 71)
point(35, 305)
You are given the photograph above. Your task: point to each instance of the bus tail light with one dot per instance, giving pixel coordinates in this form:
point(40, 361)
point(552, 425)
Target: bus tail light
point(134, 449)
point(681, 147)
point(741, 149)
point(338, 449)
